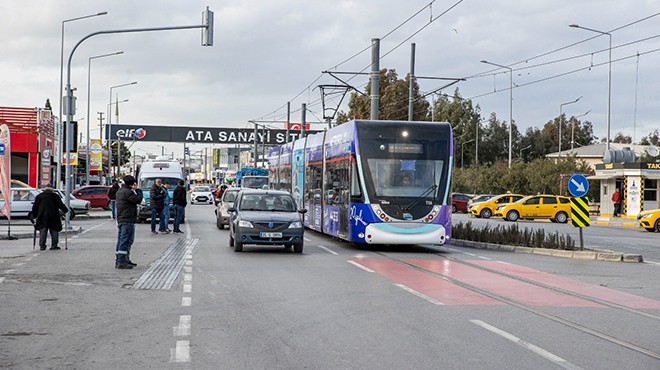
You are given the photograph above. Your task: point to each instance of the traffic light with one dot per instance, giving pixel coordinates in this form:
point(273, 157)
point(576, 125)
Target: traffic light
point(207, 31)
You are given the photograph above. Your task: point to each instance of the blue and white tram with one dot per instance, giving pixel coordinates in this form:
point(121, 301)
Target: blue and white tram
point(374, 182)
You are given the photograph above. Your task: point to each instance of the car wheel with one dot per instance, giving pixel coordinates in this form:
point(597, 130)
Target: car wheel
point(219, 224)
point(298, 248)
point(561, 217)
point(107, 207)
point(231, 240)
point(486, 213)
point(72, 215)
point(657, 226)
point(238, 246)
point(513, 216)
point(453, 208)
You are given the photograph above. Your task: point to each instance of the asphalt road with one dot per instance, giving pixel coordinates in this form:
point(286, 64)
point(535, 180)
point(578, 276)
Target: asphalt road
point(632, 240)
point(335, 306)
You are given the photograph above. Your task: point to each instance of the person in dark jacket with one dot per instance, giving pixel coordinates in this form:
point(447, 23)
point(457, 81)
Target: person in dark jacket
point(157, 201)
point(180, 202)
point(46, 211)
point(112, 194)
point(128, 198)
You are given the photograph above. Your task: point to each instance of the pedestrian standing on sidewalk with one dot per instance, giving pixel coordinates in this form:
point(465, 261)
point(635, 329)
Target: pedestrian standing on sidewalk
point(156, 198)
point(165, 220)
point(112, 194)
point(128, 198)
point(616, 200)
point(180, 201)
point(46, 211)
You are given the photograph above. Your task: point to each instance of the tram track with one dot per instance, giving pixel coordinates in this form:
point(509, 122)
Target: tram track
point(533, 310)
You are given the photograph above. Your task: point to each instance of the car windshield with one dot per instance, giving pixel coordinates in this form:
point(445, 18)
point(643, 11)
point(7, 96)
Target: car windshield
point(147, 183)
point(200, 189)
point(230, 196)
point(267, 202)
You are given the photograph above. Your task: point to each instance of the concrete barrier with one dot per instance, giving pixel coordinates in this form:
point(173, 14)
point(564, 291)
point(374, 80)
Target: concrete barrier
point(609, 256)
point(637, 258)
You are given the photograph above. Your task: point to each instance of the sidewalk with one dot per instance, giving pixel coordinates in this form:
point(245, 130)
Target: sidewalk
point(614, 221)
point(21, 228)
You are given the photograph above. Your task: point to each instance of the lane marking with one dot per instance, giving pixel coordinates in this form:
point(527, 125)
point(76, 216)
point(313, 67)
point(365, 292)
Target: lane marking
point(187, 269)
point(468, 253)
point(187, 277)
point(188, 236)
point(181, 353)
point(307, 239)
point(183, 330)
point(327, 249)
point(652, 263)
point(360, 266)
point(187, 288)
point(2, 279)
point(18, 264)
point(92, 228)
point(528, 346)
point(186, 301)
point(420, 295)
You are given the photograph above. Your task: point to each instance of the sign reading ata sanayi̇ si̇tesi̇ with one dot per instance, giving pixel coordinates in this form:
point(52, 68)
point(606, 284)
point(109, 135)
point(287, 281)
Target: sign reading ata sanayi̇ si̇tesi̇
point(209, 135)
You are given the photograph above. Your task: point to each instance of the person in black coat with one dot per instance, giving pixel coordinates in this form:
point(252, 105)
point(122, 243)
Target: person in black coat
point(128, 198)
point(157, 201)
point(180, 201)
point(46, 212)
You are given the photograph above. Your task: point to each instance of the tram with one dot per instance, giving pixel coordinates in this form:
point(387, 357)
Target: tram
point(371, 182)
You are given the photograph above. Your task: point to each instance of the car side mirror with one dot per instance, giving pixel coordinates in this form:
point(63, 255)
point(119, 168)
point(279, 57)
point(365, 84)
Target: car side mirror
point(302, 211)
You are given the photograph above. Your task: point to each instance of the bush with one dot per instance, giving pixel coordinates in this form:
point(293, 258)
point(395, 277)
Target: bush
point(512, 235)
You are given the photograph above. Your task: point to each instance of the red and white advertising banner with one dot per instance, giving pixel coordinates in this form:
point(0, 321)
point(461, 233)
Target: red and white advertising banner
point(296, 126)
point(5, 170)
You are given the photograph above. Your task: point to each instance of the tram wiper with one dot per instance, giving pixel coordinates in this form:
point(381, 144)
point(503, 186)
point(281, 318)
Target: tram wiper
point(424, 195)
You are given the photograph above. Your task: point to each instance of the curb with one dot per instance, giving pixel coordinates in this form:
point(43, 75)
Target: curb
point(594, 255)
point(30, 235)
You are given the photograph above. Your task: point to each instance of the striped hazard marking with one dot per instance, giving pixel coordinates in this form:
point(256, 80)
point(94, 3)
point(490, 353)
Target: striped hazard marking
point(580, 212)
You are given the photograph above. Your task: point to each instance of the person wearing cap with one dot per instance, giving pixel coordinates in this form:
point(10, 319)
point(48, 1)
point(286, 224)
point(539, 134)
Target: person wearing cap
point(128, 198)
point(46, 212)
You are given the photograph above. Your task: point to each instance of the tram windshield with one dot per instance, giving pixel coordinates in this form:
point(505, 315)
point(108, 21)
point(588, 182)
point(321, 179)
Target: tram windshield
point(404, 178)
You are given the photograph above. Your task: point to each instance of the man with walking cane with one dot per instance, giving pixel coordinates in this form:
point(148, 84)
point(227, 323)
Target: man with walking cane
point(46, 210)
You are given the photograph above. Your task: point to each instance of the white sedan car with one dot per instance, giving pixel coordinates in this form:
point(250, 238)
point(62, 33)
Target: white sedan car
point(201, 194)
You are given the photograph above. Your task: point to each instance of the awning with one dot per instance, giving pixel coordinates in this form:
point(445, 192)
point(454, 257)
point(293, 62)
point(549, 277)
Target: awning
point(602, 177)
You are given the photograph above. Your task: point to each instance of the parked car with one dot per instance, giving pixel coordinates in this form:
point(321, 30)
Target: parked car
point(459, 202)
point(221, 210)
point(77, 206)
point(650, 220)
point(97, 195)
point(487, 208)
point(267, 217)
point(553, 207)
point(22, 200)
point(479, 198)
point(201, 194)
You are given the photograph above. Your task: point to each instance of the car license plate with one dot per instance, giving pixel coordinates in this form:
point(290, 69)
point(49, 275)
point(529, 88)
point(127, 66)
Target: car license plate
point(270, 235)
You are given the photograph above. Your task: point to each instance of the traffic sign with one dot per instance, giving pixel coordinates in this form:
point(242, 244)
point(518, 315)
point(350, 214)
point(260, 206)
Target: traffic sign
point(580, 212)
point(578, 185)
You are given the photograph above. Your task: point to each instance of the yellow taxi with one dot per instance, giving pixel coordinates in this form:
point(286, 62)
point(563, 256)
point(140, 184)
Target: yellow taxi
point(486, 208)
point(650, 220)
point(553, 207)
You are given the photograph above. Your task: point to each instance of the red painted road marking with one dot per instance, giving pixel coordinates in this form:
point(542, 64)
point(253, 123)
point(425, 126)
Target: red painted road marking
point(591, 290)
point(429, 285)
point(512, 289)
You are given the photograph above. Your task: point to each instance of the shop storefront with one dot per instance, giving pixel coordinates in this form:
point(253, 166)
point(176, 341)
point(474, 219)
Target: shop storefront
point(637, 182)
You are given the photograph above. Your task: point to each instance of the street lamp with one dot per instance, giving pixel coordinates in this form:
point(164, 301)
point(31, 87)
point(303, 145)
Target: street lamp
point(573, 127)
point(523, 149)
point(510, 103)
point(462, 145)
point(109, 138)
point(609, 77)
point(89, 72)
point(561, 107)
point(59, 133)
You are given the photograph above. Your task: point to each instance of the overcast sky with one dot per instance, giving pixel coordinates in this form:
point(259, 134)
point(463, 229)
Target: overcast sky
point(268, 52)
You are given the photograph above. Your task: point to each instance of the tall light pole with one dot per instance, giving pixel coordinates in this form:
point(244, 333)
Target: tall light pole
point(573, 127)
point(609, 78)
point(561, 107)
point(59, 117)
point(89, 73)
point(109, 138)
point(510, 103)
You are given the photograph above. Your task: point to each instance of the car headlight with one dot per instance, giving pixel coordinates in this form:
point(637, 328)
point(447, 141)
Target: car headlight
point(645, 216)
point(243, 223)
point(295, 225)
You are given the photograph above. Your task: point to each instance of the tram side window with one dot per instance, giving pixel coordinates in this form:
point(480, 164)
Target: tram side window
point(336, 181)
point(356, 191)
point(314, 182)
point(285, 177)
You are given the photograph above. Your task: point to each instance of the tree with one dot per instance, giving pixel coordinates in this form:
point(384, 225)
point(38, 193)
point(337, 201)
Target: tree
point(651, 139)
point(621, 138)
point(393, 102)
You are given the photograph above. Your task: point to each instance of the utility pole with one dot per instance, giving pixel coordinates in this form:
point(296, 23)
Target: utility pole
point(256, 154)
point(375, 77)
point(411, 84)
point(303, 119)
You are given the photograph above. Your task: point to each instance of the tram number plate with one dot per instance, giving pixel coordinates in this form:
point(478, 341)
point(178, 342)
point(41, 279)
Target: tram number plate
point(270, 235)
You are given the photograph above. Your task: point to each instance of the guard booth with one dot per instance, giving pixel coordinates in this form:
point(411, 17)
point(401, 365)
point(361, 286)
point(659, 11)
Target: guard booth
point(637, 182)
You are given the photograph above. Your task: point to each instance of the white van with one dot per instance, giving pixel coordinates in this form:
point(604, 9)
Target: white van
point(168, 171)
